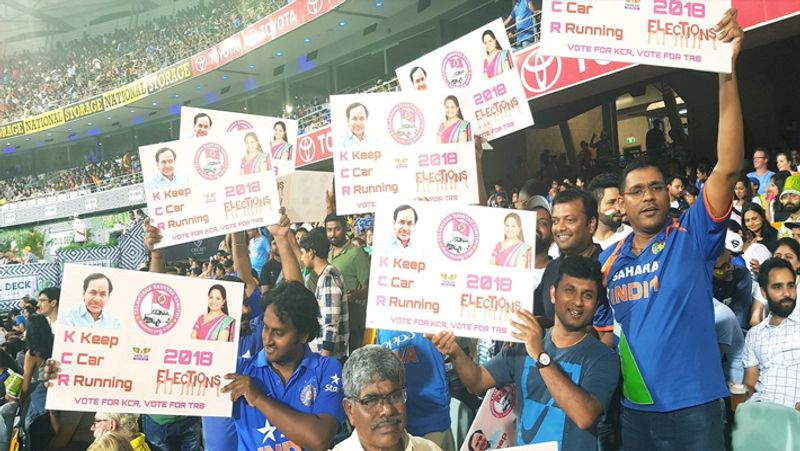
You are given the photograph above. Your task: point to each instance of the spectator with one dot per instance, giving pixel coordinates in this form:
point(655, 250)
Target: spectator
point(126, 425)
point(48, 304)
point(375, 403)
point(576, 391)
point(761, 172)
point(731, 342)
point(733, 287)
point(524, 21)
point(673, 382)
point(610, 229)
point(271, 271)
point(655, 139)
point(111, 441)
point(755, 221)
point(772, 348)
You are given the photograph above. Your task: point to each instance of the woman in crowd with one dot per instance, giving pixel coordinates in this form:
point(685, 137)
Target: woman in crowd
point(756, 222)
point(125, 425)
point(215, 325)
point(742, 194)
point(454, 129)
point(497, 60)
point(281, 150)
point(255, 161)
point(512, 251)
point(112, 441)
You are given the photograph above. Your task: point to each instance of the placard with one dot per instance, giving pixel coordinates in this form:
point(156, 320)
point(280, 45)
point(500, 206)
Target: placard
point(161, 345)
point(485, 84)
point(495, 422)
point(303, 195)
point(671, 33)
point(385, 144)
point(281, 133)
point(196, 189)
point(447, 267)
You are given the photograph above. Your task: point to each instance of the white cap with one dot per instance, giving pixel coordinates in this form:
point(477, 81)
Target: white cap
point(733, 242)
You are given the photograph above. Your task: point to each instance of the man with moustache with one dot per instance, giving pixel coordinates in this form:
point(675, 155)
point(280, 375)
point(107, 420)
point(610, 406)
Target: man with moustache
point(772, 348)
point(419, 78)
point(610, 229)
point(202, 125)
point(574, 221)
point(544, 231)
point(659, 286)
point(790, 198)
point(166, 177)
point(564, 377)
point(96, 294)
point(405, 218)
point(357, 137)
point(375, 403)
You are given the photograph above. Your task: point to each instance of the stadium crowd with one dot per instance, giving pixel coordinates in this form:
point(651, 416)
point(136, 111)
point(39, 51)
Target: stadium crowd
point(33, 82)
point(714, 245)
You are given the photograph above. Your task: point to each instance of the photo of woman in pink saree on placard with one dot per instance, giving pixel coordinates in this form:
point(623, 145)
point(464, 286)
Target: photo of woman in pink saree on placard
point(255, 160)
point(512, 251)
point(454, 129)
point(281, 150)
point(497, 60)
point(215, 324)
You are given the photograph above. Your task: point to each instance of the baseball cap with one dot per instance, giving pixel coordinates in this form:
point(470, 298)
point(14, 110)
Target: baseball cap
point(537, 201)
point(754, 181)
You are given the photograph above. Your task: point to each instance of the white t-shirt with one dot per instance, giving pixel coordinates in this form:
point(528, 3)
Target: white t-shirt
point(623, 231)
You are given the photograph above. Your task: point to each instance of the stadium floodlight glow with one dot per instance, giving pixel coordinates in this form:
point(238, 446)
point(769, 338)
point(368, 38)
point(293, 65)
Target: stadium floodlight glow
point(289, 109)
point(69, 129)
point(307, 40)
point(155, 103)
point(379, 3)
point(199, 87)
point(89, 124)
point(279, 53)
point(177, 95)
point(252, 66)
point(109, 118)
point(224, 77)
point(133, 111)
point(342, 23)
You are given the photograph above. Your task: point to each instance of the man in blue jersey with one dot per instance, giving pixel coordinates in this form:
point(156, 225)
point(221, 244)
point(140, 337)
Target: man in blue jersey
point(660, 290)
point(287, 395)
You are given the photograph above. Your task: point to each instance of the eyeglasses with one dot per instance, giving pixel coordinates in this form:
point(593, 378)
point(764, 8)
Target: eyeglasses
point(638, 191)
point(373, 402)
point(100, 420)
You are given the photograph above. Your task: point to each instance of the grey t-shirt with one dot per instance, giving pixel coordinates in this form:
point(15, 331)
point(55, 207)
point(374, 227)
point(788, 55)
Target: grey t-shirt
point(589, 364)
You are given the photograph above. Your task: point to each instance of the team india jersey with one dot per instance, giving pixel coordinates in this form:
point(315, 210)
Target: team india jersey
point(663, 313)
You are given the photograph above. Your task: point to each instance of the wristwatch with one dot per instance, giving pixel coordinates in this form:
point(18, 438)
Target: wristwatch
point(543, 360)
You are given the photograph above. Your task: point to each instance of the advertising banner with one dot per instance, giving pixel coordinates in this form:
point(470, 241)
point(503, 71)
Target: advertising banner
point(44, 121)
point(446, 267)
point(281, 133)
point(144, 342)
point(196, 188)
point(385, 145)
point(671, 33)
point(314, 146)
point(169, 76)
point(84, 108)
point(125, 95)
point(478, 70)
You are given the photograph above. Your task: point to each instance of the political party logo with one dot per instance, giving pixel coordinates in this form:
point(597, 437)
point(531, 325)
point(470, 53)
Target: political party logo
point(239, 124)
point(456, 70)
point(141, 354)
point(306, 149)
point(211, 161)
point(634, 5)
point(308, 394)
point(458, 236)
point(314, 7)
point(157, 309)
point(406, 123)
point(448, 280)
point(540, 72)
point(502, 401)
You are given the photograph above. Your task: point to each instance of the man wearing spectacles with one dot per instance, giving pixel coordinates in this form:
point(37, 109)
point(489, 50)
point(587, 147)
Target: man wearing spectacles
point(375, 403)
point(764, 175)
point(660, 291)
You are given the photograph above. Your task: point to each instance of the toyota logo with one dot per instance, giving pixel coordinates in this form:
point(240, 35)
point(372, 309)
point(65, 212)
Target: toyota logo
point(540, 72)
point(200, 62)
point(306, 149)
point(314, 6)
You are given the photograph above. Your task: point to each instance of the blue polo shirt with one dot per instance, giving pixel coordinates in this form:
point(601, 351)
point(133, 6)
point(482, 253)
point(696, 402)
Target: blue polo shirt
point(428, 405)
point(314, 388)
point(663, 313)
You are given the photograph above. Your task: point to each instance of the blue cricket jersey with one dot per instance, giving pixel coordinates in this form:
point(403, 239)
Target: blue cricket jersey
point(662, 307)
point(314, 388)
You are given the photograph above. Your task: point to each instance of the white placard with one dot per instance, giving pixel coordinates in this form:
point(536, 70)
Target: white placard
point(143, 354)
point(672, 33)
point(483, 82)
point(203, 192)
point(281, 133)
point(303, 195)
point(446, 267)
point(494, 426)
point(385, 145)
